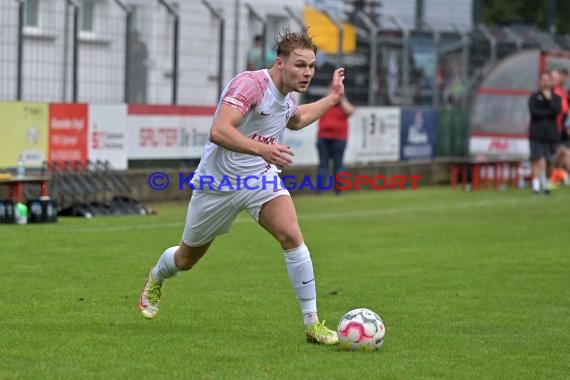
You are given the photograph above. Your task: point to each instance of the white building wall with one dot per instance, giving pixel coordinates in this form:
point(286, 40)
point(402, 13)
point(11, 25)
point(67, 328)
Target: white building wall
point(199, 81)
point(8, 38)
point(441, 14)
point(101, 54)
point(43, 52)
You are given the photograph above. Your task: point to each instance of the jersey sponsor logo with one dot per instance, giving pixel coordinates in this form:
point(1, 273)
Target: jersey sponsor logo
point(264, 139)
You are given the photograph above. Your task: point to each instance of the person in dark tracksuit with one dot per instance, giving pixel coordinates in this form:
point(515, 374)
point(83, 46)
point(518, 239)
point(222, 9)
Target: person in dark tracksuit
point(544, 106)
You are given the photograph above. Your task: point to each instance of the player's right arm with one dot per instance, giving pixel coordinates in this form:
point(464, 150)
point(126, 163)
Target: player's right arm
point(225, 134)
point(241, 96)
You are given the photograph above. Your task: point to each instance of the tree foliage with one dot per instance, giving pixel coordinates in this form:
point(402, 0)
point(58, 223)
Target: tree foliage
point(501, 12)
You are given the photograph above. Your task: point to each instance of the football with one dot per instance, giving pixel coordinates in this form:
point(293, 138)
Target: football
point(361, 329)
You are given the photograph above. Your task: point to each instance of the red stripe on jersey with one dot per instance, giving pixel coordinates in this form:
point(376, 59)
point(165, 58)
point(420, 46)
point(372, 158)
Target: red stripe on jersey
point(245, 90)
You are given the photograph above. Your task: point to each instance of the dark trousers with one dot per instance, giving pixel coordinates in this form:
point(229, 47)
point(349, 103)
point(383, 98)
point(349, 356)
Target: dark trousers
point(329, 150)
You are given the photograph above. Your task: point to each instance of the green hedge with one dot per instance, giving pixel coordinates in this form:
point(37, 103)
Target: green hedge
point(452, 133)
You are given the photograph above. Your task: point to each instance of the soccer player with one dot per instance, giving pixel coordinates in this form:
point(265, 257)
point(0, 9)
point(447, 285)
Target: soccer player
point(254, 109)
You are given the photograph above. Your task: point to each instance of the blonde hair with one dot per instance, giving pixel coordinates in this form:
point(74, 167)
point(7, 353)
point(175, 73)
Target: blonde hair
point(289, 41)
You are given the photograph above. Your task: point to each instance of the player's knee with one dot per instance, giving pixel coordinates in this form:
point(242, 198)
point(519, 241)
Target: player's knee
point(289, 237)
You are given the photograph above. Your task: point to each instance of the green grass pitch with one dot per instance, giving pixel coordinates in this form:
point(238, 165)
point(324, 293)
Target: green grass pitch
point(470, 286)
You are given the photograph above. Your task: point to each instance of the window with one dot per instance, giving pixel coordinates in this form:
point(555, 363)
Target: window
point(31, 11)
point(87, 12)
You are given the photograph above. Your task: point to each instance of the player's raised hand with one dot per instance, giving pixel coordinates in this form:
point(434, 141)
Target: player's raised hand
point(277, 154)
point(337, 84)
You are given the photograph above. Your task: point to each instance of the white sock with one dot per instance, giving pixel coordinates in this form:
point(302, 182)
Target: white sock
point(309, 319)
point(165, 267)
point(535, 184)
point(300, 269)
point(543, 180)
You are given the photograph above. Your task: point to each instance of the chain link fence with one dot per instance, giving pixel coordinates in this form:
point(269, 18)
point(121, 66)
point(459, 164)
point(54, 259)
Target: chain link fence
point(88, 51)
point(149, 51)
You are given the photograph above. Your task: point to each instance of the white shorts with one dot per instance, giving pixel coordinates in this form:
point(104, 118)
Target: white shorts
point(212, 212)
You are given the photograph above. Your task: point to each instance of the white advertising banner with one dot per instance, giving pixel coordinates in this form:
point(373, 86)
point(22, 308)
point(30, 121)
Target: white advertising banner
point(107, 135)
point(500, 146)
point(373, 136)
point(180, 132)
point(168, 132)
point(304, 144)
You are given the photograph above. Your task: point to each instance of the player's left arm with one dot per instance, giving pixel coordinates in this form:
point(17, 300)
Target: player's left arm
point(309, 113)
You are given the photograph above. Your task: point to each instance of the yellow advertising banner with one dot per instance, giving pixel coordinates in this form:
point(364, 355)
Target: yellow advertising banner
point(325, 32)
point(23, 133)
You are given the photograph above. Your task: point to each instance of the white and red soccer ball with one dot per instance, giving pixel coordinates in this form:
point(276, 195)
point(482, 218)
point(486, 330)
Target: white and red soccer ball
point(361, 329)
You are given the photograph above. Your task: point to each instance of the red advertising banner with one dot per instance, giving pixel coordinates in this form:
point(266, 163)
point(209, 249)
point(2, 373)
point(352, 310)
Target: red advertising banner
point(67, 132)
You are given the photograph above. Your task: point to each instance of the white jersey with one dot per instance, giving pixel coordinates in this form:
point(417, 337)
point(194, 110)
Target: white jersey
point(265, 115)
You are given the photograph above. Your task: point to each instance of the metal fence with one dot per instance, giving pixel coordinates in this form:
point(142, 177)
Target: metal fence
point(145, 51)
point(89, 51)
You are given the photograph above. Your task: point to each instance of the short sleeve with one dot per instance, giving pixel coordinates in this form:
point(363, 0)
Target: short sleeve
point(244, 91)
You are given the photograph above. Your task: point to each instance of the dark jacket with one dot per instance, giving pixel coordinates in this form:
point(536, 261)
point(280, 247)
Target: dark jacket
point(543, 113)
